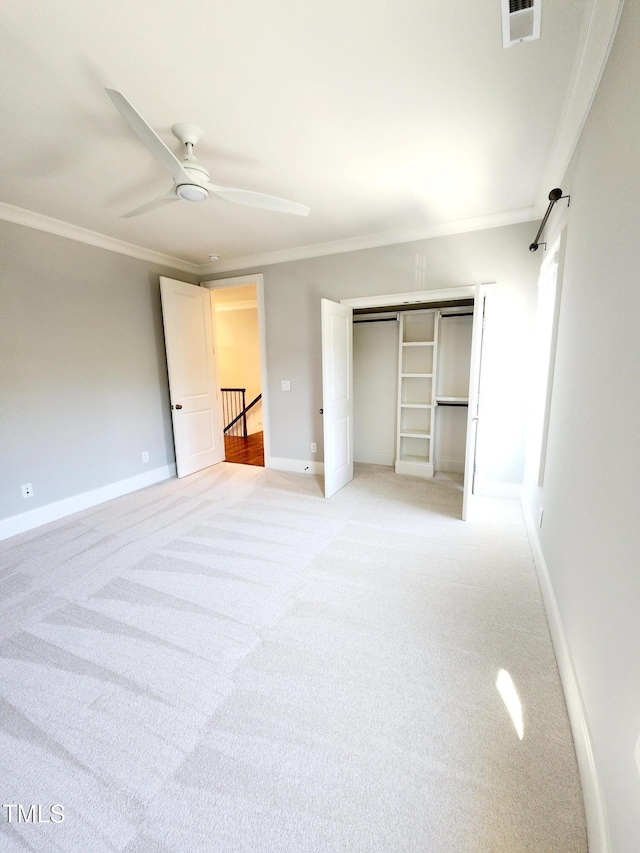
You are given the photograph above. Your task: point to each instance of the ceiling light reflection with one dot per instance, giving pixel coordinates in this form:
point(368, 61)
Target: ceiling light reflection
point(507, 690)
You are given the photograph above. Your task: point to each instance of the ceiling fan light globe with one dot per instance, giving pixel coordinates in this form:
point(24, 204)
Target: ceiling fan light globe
point(190, 192)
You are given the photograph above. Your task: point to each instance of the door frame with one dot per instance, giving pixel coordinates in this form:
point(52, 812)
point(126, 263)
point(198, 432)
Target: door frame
point(256, 279)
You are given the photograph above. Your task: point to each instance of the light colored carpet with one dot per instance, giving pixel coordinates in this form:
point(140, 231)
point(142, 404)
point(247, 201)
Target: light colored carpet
point(231, 663)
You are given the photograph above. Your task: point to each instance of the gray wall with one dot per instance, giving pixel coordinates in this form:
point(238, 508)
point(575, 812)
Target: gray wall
point(292, 303)
point(82, 368)
point(590, 535)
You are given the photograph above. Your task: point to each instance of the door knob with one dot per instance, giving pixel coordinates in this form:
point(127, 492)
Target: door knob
point(177, 406)
point(322, 411)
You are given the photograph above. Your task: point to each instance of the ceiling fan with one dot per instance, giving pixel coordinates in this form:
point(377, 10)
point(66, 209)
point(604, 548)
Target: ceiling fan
point(191, 180)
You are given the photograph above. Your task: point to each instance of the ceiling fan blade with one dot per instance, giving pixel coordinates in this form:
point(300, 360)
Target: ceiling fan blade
point(268, 202)
point(167, 198)
point(149, 137)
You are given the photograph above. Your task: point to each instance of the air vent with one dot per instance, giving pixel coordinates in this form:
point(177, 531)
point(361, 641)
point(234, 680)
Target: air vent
point(520, 21)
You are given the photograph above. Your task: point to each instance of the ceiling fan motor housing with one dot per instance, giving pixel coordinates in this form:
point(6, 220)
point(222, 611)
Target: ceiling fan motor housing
point(192, 192)
point(195, 191)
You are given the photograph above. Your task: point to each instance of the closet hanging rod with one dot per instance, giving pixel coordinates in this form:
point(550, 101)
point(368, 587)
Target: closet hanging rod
point(554, 196)
point(465, 314)
point(378, 320)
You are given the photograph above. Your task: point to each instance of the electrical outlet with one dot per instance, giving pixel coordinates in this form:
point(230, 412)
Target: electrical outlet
point(27, 490)
point(145, 455)
point(314, 447)
point(285, 384)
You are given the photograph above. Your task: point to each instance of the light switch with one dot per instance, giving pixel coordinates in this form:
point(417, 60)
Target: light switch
point(286, 385)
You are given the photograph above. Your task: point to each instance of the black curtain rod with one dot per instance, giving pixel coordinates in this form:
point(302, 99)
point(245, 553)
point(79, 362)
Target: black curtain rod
point(554, 196)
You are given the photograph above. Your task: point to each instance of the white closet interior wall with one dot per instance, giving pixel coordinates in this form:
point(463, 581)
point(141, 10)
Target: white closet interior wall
point(375, 354)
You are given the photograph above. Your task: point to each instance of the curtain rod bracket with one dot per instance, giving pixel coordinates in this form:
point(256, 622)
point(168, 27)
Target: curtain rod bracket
point(554, 196)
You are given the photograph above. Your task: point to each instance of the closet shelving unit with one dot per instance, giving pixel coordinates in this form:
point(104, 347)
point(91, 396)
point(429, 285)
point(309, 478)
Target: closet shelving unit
point(442, 399)
point(417, 368)
point(451, 401)
point(452, 388)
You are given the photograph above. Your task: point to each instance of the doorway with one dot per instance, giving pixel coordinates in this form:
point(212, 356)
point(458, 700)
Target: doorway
point(424, 302)
point(237, 310)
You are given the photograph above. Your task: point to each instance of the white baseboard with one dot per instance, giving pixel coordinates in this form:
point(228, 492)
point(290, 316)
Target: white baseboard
point(451, 466)
point(595, 811)
point(415, 469)
point(374, 458)
point(294, 466)
point(60, 509)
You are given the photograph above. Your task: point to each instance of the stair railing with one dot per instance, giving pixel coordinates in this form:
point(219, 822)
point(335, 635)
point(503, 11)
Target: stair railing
point(234, 411)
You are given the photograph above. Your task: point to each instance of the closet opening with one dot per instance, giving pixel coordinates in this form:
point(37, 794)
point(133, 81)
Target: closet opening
point(413, 375)
point(411, 387)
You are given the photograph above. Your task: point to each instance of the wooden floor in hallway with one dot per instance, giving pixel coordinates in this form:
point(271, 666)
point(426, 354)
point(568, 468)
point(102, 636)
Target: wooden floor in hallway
point(244, 451)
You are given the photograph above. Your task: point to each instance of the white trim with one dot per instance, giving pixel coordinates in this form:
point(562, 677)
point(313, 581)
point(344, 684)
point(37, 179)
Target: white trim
point(414, 297)
point(68, 506)
point(415, 469)
point(595, 811)
point(39, 221)
point(233, 281)
point(30, 219)
point(449, 466)
point(256, 279)
point(294, 466)
point(597, 38)
point(374, 241)
point(234, 306)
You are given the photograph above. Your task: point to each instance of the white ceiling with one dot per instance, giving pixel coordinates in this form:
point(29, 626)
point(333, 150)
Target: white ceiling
point(390, 118)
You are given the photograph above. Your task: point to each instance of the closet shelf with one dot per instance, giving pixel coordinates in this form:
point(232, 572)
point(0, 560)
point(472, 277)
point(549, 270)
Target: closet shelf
point(418, 343)
point(416, 406)
point(452, 401)
point(416, 375)
point(415, 433)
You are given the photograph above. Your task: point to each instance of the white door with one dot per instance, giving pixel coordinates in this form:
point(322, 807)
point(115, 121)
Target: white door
point(337, 394)
point(196, 408)
point(474, 401)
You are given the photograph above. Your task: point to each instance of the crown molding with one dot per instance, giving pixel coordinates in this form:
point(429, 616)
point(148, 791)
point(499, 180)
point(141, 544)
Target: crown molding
point(598, 33)
point(372, 241)
point(21, 216)
point(30, 219)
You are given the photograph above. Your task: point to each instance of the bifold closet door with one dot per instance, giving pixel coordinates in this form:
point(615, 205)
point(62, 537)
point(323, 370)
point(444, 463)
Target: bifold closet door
point(337, 394)
point(473, 412)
